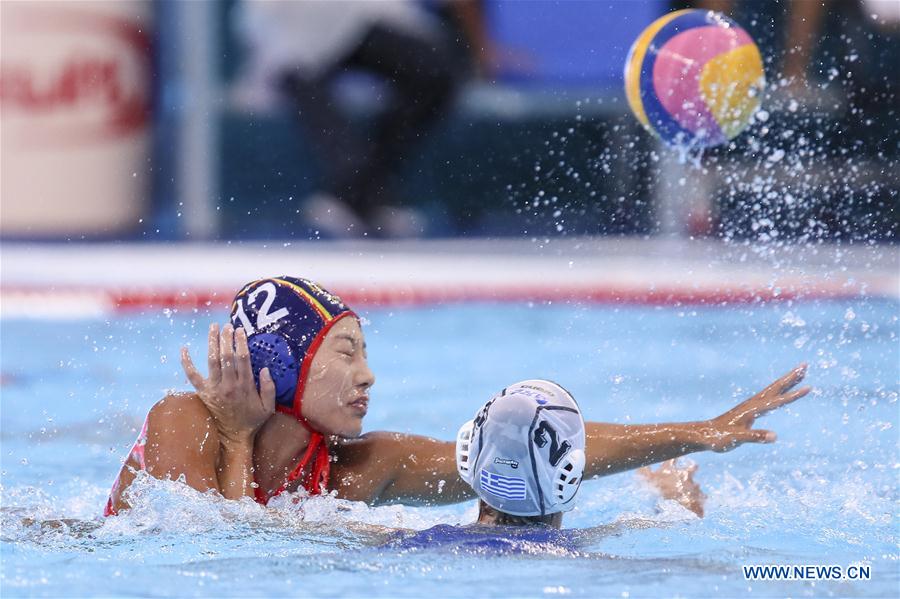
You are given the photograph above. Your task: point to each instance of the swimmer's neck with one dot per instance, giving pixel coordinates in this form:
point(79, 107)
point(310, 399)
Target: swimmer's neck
point(488, 516)
point(279, 445)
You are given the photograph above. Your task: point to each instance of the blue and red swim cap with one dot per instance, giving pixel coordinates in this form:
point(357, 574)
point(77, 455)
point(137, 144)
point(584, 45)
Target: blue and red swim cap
point(286, 319)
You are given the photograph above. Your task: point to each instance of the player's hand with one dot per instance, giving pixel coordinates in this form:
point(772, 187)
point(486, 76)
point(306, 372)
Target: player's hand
point(230, 393)
point(677, 483)
point(735, 426)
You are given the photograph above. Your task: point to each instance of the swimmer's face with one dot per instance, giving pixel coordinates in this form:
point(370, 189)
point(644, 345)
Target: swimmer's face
point(336, 397)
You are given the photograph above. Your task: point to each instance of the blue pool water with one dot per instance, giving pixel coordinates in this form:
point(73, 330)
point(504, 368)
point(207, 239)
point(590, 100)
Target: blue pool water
point(75, 392)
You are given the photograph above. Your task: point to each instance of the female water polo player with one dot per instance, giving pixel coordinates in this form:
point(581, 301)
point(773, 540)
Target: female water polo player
point(523, 456)
point(299, 425)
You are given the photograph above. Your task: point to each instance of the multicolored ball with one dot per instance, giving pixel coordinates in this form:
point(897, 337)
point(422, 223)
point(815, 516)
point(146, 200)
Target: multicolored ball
point(694, 78)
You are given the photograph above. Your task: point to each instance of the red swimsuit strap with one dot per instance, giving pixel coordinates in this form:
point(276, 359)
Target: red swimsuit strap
point(316, 456)
point(318, 459)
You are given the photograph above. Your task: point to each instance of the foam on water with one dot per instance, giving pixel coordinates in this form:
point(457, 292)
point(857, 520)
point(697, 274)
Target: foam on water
point(623, 525)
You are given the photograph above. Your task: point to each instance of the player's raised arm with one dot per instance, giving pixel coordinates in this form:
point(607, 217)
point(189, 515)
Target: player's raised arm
point(613, 448)
point(237, 408)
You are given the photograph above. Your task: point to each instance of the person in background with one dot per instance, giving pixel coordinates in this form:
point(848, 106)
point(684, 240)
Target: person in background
point(301, 49)
point(867, 29)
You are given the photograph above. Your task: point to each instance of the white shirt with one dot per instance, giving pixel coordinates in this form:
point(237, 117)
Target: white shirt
point(311, 35)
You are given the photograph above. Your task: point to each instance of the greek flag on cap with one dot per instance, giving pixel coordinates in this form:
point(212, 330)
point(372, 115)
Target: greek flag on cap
point(506, 487)
point(523, 453)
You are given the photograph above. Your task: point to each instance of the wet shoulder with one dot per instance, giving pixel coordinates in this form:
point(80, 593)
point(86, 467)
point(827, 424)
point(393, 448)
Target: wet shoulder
point(182, 418)
point(185, 405)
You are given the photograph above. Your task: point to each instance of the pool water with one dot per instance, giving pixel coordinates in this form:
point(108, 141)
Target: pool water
point(74, 394)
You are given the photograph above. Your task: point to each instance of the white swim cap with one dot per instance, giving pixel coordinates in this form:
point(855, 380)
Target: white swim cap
point(523, 453)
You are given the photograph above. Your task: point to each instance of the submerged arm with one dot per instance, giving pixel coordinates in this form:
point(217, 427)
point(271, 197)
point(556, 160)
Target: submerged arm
point(676, 483)
point(612, 448)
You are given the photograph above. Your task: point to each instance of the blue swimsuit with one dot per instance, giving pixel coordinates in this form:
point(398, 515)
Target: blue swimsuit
point(486, 539)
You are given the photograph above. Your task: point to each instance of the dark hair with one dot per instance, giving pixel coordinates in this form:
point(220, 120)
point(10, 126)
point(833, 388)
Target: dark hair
point(503, 519)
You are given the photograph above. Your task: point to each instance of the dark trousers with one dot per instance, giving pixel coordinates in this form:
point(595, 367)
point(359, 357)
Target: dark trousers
point(359, 165)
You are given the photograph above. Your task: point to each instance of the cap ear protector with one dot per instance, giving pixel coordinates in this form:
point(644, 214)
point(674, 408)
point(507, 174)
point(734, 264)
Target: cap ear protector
point(567, 479)
point(463, 450)
point(268, 350)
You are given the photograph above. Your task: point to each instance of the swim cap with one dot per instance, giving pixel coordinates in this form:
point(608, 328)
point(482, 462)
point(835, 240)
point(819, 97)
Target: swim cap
point(523, 453)
point(286, 319)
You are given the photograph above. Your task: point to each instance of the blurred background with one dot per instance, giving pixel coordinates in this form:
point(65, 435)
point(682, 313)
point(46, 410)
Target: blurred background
point(173, 120)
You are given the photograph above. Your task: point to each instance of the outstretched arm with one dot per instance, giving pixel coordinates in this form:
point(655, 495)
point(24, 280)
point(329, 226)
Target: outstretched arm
point(419, 470)
point(383, 467)
point(613, 448)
